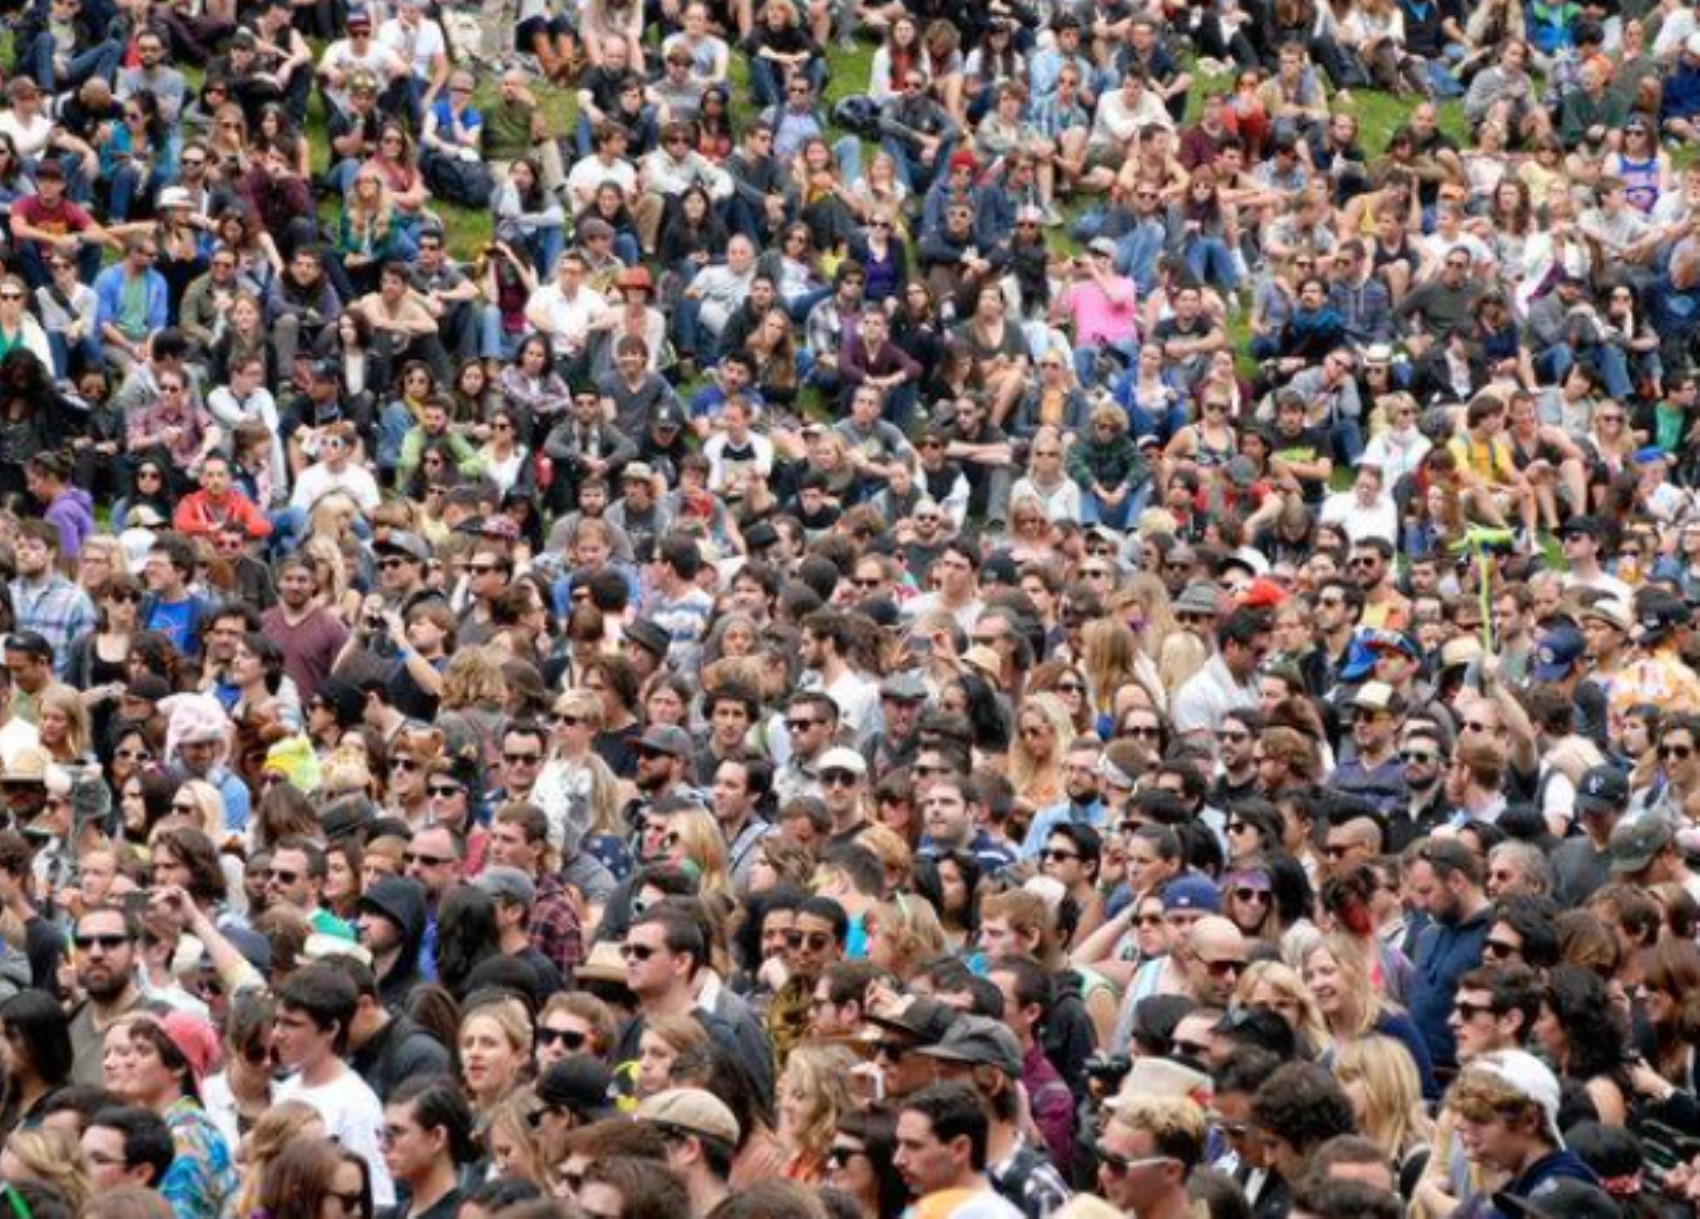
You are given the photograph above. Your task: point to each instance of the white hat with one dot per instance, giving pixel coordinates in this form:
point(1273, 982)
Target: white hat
point(840, 758)
point(1528, 1076)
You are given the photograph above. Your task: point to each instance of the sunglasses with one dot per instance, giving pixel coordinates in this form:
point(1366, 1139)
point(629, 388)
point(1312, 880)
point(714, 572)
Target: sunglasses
point(837, 778)
point(444, 791)
point(573, 1039)
point(1053, 855)
point(817, 941)
point(106, 943)
point(637, 952)
point(283, 876)
point(427, 861)
point(1676, 751)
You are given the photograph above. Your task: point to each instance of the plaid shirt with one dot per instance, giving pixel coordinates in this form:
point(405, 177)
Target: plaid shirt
point(555, 928)
point(58, 610)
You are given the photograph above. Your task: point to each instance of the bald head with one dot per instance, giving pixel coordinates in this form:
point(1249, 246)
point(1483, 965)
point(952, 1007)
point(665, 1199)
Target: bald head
point(1215, 959)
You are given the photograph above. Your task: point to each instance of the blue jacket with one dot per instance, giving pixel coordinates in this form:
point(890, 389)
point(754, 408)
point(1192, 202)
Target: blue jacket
point(109, 293)
point(1445, 953)
point(1681, 98)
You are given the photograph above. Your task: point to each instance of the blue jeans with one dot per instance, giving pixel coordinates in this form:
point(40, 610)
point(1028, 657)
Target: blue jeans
point(1163, 426)
point(394, 422)
point(1138, 253)
point(1210, 261)
point(101, 61)
point(85, 352)
point(1093, 511)
point(1348, 441)
point(767, 79)
point(129, 191)
point(1086, 356)
point(911, 172)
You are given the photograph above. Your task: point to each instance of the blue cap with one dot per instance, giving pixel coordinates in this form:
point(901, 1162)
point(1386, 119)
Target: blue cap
point(1192, 892)
point(1650, 454)
point(1393, 641)
point(1557, 653)
point(1360, 660)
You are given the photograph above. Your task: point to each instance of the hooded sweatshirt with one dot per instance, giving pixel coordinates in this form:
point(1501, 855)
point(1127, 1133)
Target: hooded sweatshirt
point(402, 902)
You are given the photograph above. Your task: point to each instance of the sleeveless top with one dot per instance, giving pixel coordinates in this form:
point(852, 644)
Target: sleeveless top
point(1640, 181)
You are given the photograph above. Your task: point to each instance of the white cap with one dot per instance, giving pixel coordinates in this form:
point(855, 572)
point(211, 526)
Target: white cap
point(840, 758)
point(1528, 1076)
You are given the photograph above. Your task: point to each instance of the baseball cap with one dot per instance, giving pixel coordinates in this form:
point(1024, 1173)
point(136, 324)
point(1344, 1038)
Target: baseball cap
point(1378, 696)
point(1564, 1198)
point(194, 1039)
point(1102, 245)
point(978, 1041)
point(1529, 1077)
point(1557, 652)
point(400, 541)
point(1660, 615)
point(904, 688)
point(1382, 640)
point(926, 1020)
point(666, 738)
point(1192, 892)
point(580, 1084)
point(1635, 844)
point(1603, 790)
point(510, 883)
point(840, 758)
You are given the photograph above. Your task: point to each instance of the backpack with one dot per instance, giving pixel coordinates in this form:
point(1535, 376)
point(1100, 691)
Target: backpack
point(859, 116)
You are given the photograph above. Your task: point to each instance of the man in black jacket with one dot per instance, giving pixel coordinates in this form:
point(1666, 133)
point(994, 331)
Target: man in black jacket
point(386, 1049)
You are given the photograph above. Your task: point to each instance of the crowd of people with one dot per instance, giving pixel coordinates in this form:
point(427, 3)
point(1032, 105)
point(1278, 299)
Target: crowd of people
point(1068, 634)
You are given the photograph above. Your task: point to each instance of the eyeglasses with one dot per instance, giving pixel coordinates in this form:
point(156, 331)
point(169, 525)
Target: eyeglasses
point(801, 725)
point(638, 952)
point(106, 943)
point(1053, 855)
point(1418, 757)
point(838, 778)
point(1500, 950)
point(1149, 920)
point(134, 755)
point(817, 941)
point(573, 1039)
point(445, 791)
point(1121, 1165)
point(1223, 966)
point(427, 861)
point(1248, 894)
point(522, 759)
point(1148, 732)
point(283, 876)
point(1676, 751)
point(406, 763)
point(1469, 1011)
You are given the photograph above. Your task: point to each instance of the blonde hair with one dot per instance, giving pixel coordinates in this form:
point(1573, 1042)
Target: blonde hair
point(280, 1125)
point(65, 699)
point(703, 843)
point(53, 1157)
point(1182, 655)
point(1393, 1113)
point(822, 1074)
point(912, 928)
point(1364, 1004)
point(512, 1118)
point(895, 856)
point(1025, 771)
point(207, 798)
point(1289, 987)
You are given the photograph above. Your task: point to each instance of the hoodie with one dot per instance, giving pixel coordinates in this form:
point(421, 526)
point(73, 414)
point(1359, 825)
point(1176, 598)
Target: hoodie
point(401, 1050)
point(72, 513)
point(402, 902)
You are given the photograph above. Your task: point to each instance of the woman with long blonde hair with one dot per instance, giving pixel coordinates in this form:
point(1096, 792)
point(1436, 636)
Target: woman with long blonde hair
point(814, 1096)
point(695, 843)
point(1277, 987)
point(1386, 1092)
point(1043, 734)
point(50, 1155)
point(1343, 979)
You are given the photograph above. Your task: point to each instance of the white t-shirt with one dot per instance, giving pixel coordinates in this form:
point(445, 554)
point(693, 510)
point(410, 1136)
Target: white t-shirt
point(419, 45)
point(354, 1117)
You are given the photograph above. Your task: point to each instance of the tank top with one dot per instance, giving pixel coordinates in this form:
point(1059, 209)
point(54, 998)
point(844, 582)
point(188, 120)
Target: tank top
point(1640, 181)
